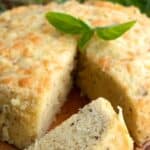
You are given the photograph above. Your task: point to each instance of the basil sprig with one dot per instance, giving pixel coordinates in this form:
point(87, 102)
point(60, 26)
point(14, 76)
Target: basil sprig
point(71, 25)
point(114, 31)
point(66, 23)
point(85, 38)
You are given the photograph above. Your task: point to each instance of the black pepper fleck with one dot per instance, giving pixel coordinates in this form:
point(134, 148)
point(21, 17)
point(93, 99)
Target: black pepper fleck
point(77, 120)
point(96, 137)
point(145, 93)
point(72, 124)
point(90, 110)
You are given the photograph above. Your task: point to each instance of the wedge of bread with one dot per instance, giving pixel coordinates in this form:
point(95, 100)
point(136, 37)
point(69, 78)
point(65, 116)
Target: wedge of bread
point(35, 73)
point(120, 69)
point(94, 127)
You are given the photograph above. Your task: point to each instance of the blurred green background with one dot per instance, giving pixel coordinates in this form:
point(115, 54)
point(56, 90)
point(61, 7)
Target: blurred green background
point(143, 5)
point(6, 4)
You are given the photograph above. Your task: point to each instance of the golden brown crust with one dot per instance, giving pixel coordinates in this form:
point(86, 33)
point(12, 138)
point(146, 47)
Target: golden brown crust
point(33, 58)
point(126, 62)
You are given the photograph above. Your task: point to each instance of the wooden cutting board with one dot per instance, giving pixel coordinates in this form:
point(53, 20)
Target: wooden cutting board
point(72, 105)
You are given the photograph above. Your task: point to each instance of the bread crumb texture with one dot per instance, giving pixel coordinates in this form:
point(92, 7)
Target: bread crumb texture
point(35, 65)
point(94, 127)
point(119, 70)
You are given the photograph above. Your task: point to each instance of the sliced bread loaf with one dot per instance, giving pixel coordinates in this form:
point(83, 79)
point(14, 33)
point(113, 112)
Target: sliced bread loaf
point(119, 69)
point(35, 73)
point(94, 127)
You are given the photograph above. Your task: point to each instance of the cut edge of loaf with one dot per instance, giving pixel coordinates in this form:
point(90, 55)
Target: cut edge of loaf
point(58, 97)
point(30, 103)
point(91, 76)
point(96, 126)
point(30, 127)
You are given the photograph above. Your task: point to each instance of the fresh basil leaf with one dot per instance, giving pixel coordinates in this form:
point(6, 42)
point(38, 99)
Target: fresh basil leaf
point(85, 38)
point(66, 23)
point(113, 32)
point(71, 25)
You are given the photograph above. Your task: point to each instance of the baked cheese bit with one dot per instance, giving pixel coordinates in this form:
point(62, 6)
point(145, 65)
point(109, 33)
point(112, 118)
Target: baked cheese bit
point(36, 62)
point(120, 69)
point(94, 127)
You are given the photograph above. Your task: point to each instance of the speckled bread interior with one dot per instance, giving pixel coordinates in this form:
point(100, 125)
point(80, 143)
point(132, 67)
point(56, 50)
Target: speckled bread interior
point(119, 69)
point(36, 62)
point(94, 127)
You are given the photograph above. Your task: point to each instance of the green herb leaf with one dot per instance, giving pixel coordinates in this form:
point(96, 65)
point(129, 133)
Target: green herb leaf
point(66, 23)
point(85, 38)
point(71, 25)
point(113, 32)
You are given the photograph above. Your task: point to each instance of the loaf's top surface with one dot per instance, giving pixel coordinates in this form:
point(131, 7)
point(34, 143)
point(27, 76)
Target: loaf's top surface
point(120, 69)
point(31, 51)
point(26, 39)
point(127, 58)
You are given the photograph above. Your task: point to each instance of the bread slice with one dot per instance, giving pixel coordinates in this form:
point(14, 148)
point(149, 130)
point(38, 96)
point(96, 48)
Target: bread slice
point(94, 127)
point(36, 62)
point(120, 69)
